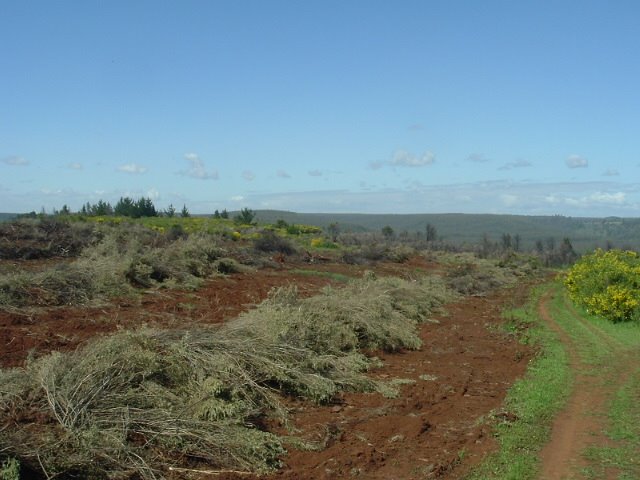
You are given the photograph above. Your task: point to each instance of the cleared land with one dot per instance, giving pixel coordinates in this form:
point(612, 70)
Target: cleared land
point(152, 352)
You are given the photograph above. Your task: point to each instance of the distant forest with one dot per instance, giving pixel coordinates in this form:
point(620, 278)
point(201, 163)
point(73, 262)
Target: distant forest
point(457, 228)
point(530, 232)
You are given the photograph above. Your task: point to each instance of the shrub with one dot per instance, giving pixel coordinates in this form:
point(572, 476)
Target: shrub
point(269, 242)
point(607, 284)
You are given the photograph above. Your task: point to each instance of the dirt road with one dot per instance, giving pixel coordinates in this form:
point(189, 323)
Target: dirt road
point(601, 364)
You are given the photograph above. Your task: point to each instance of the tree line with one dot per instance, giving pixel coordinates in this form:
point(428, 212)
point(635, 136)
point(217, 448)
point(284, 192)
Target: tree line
point(144, 207)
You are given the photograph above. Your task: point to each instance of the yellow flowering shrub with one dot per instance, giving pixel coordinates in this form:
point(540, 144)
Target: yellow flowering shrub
point(607, 284)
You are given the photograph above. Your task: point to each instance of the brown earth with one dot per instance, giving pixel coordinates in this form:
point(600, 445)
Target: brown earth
point(438, 427)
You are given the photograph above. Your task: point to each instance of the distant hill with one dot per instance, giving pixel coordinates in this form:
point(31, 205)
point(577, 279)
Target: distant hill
point(584, 233)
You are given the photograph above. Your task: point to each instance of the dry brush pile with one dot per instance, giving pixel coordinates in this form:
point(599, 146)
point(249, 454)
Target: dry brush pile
point(118, 262)
point(137, 403)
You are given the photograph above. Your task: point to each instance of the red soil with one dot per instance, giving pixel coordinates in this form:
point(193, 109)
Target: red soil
point(438, 427)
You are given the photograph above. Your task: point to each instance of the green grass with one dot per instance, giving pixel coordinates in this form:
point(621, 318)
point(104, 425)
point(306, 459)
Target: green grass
point(10, 469)
point(534, 400)
point(600, 345)
point(338, 277)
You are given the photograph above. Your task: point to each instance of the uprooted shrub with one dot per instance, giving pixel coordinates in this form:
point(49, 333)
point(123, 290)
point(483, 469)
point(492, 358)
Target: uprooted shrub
point(371, 313)
point(137, 403)
point(116, 265)
point(32, 238)
point(469, 275)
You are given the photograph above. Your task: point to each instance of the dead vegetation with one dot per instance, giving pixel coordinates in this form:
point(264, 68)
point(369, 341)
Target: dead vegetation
point(138, 403)
point(141, 402)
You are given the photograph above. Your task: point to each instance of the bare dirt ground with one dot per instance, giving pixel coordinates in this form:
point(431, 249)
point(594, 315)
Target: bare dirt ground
point(438, 427)
point(583, 420)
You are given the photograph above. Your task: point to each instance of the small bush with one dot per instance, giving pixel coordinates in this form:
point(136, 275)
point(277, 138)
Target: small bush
point(270, 242)
point(607, 284)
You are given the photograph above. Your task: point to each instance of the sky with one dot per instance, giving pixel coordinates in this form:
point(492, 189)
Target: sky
point(515, 107)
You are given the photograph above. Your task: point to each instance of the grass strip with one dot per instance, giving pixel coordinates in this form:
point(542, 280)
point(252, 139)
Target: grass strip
point(534, 399)
point(338, 277)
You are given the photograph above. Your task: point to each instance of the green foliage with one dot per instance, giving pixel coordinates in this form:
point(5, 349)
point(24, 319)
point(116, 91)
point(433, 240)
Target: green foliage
point(607, 284)
point(184, 213)
point(127, 207)
point(245, 217)
point(10, 469)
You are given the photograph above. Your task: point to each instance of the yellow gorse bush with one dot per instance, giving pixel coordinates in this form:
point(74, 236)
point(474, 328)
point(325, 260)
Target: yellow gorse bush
point(607, 284)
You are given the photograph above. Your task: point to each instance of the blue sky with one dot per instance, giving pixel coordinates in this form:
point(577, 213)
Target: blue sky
point(322, 106)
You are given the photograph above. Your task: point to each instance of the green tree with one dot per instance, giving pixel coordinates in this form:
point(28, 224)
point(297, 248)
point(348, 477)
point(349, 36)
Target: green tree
point(184, 213)
point(125, 207)
point(145, 208)
point(170, 211)
point(245, 217)
point(387, 232)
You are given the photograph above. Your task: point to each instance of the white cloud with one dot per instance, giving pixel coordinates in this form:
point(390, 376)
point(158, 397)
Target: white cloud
point(611, 172)
point(519, 163)
point(237, 198)
point(197, 169)
point(596, 199)
point(509, 200)
point(403, 158)
point(315, 173)
point(592, 199)
point(576, 161)
point(478, 158)
point(153, 194)
point(617, 198)
point(75, 166)
point(282, 174)
point(248, 175)
point(16, 161)
point(133, 168)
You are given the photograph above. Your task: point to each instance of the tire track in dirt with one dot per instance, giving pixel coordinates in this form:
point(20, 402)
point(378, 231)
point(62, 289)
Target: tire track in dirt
point(583, 420)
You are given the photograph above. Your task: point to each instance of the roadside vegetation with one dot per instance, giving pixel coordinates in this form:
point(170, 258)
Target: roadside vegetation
point(604, 330)
point(532, 402)
point(607, 284)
